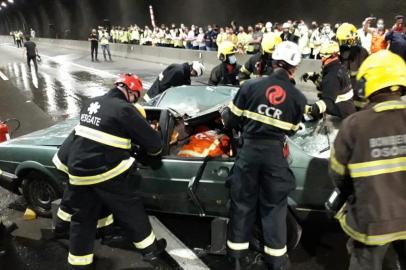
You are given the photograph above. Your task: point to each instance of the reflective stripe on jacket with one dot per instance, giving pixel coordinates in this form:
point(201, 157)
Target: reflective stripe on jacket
point(369, 161)
point(99, 147)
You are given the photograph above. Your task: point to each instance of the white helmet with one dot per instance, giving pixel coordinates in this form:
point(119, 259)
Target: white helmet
point(286, 25)
point(198, 67)
point(268, 25)
point(289, 52)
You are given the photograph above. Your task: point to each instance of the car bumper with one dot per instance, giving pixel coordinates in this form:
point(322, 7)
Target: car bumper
point(10, 182)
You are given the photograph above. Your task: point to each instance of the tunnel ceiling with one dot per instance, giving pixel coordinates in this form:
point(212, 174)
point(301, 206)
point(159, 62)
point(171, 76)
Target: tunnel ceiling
point(75, 18)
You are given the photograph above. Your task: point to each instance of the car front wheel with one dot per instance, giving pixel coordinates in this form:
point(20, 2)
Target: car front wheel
point(40, 192)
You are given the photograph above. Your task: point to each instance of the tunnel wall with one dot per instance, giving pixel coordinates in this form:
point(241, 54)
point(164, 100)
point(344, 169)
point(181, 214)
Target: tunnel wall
point(157, 54)
point(75, 18)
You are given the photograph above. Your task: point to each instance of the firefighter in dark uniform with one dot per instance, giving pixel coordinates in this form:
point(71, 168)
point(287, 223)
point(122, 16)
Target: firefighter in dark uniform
point(97, 158)
point(175, 75)
point(227, 72)
point(336, 92)
point(65, 211)
point(352, 54)
point(369, 164)
point(260, 64)
point(265, 110)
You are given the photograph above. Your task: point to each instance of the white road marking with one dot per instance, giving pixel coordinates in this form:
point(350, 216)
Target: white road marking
point(186, 258)
point(3, 76)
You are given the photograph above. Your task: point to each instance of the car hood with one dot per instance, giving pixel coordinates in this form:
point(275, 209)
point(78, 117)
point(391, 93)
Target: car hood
point(52, 136)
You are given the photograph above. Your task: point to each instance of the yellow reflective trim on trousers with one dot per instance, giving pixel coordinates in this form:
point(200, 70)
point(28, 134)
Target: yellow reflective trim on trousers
point(59, 165)
point(95, 179)
point(146, 242)
point(238, 246)
point(262, 118)
point(64, 215)
point(377, 167)
point(275, 252)
point(102, 137)
point(389, 105)
point(344, 97)
point(104, 222)
point(377, 240)
point(80, 260)
point(322, 106)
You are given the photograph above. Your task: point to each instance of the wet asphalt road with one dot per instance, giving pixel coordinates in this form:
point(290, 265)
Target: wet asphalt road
point(65, 79)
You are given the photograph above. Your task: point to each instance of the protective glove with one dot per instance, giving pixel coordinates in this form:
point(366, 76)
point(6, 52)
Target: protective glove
point(312, 112)
point(312, 76)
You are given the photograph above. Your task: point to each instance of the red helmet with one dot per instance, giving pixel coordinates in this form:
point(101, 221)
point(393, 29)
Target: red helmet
point(131, 81)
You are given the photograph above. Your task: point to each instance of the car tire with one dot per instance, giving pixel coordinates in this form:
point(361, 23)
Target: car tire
point(294, 233)
point(40, 191)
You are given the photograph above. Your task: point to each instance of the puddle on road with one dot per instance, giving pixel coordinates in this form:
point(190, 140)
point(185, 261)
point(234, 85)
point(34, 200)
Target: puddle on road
point(57, 90)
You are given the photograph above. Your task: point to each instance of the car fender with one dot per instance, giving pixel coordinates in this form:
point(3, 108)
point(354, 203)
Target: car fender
point(27, 166)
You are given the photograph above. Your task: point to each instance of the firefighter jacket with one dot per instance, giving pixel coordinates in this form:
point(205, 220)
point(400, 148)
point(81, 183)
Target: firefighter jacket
point(351, 59)
point(266, 108)
point(173, 75)
point(369, 162)
point(99, 148)
point(257, 65)
point(336, 93)
point(225, 74)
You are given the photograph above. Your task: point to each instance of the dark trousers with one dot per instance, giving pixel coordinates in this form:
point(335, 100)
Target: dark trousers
point(65, 212)
point(19, 43)
point(261, 180)
point(120, 196)
point(365, 257)
point(34, 60)
point(94, 47)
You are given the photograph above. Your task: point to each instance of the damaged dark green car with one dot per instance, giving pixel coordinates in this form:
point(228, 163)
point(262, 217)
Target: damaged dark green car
point(179, 185)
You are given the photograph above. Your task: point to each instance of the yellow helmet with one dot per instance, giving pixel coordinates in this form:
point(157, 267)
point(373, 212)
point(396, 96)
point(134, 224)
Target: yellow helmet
point(347, 33)
point(225, 49)
point(329, 48)
point(381, 70)
point(141, 110)
point(269, 42)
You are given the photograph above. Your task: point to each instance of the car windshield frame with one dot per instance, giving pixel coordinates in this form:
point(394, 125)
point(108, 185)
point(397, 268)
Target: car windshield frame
point(196, 103)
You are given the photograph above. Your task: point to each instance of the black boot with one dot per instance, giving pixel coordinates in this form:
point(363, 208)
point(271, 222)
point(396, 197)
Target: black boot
point(278, 263)
point(155, 251)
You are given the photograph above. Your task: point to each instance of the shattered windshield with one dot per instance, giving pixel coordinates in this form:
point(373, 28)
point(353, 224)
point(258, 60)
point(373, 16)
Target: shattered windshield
point(317, 137)
point(191, 100)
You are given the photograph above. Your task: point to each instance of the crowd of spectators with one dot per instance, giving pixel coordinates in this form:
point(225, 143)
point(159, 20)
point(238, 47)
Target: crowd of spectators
point(372, 33)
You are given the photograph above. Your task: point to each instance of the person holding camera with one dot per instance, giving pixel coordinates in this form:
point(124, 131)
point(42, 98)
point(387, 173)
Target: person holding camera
point(368, 165)
point(397, 37)
point(378, 33)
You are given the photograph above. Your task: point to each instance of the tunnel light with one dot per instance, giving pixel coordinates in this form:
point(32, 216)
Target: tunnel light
point(4, 4)
point(11, 1)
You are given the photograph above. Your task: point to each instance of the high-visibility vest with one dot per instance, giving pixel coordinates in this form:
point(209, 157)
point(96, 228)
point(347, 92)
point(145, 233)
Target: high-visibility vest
point(208, 143)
